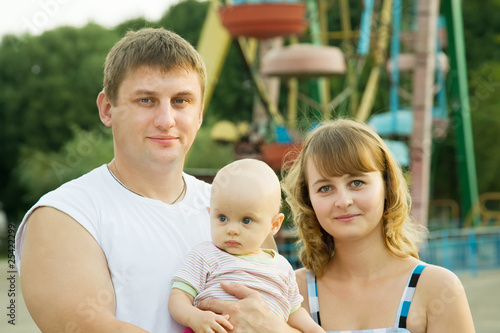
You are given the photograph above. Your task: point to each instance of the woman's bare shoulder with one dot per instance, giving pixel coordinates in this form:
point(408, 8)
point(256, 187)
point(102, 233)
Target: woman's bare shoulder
point(441, 296)
point(438, 278)
point(301, 276)
point(439, 285)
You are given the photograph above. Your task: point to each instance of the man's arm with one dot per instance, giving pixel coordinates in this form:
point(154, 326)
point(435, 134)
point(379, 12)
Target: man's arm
point(65, 278)
point(249, 314)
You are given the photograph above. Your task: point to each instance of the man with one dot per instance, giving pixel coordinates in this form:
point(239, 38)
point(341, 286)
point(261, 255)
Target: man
point(98, 253)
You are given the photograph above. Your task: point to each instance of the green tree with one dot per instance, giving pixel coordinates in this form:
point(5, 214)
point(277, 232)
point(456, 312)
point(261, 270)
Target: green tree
point(485, 112)
point(40, 172)
point(49, 83)
point(186, 18)
point(134, 25)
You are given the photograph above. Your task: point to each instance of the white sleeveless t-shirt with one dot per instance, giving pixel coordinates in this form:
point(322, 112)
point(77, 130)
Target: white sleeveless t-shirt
point(145, 240)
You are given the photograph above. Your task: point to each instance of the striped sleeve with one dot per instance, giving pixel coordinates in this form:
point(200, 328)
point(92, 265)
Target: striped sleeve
point(294, 295)
point(194, 271)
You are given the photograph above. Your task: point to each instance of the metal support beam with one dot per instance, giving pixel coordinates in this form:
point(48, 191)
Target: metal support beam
point(423, 97)
point(248, 54)
point(460, 109)
point(213, 47)
point(368, 98)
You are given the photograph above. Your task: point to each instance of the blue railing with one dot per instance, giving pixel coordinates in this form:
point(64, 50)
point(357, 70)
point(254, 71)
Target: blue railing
point(471, 249)
point(290, 251)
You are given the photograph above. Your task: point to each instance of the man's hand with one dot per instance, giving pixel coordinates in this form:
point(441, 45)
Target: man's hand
point(249, 314)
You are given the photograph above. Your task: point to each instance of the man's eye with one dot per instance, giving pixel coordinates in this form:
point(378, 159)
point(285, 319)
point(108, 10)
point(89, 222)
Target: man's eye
point(180, 101)
point(222, 218)
point(145, 100)
point(247, 220)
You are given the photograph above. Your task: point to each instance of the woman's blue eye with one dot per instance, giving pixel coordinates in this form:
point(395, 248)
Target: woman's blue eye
point(222, 218)
point(247, 220)
point(357, 183)
point(325, 188)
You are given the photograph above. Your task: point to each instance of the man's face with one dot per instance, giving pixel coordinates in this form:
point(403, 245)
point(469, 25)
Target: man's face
point(156, 116)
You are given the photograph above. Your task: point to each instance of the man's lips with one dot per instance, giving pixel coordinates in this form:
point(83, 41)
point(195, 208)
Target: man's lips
point(163, 138)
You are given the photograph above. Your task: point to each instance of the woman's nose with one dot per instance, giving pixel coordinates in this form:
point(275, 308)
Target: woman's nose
point(343, 199)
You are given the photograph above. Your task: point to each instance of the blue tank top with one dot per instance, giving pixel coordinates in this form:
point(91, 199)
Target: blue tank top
point(404, 305)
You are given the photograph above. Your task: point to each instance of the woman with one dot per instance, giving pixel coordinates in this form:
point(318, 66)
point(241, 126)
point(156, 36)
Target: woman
point(359, 246)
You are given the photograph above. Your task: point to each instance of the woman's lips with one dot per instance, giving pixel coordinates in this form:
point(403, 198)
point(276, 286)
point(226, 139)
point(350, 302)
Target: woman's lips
point(346, 217)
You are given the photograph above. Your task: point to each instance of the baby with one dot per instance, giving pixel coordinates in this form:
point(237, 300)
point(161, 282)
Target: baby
point(244, 211)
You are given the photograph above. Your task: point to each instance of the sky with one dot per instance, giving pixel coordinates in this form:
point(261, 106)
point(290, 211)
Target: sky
point(36, 16)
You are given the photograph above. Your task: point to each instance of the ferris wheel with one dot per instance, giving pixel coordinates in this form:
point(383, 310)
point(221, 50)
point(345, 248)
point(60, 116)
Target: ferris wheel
point(410, 47)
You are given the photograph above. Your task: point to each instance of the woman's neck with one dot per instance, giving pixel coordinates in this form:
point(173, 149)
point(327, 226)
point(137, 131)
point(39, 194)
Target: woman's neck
point(364, 259)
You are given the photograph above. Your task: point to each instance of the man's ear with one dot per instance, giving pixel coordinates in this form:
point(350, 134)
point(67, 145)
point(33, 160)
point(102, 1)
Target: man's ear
point(208, 210)
point(276, 224)
point(104, 106)
point(200, 120)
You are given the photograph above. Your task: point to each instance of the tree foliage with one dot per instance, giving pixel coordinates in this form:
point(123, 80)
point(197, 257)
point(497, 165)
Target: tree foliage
point(49, 83)
point(40, 172)
point(485, 115)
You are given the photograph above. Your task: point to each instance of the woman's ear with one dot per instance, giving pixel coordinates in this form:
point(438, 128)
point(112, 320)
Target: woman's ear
point(276, 224)
point(104, 105)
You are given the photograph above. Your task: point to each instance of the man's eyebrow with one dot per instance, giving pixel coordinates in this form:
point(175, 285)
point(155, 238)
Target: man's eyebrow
point(186, 93)
point(145, 92)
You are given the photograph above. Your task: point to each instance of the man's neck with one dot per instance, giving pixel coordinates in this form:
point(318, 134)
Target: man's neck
point(161, 183)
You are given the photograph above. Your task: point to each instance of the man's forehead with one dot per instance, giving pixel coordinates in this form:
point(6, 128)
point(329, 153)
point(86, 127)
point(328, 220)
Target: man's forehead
point(147, 78)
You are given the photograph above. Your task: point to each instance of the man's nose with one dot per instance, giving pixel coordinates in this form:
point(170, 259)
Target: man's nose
point(164, 115)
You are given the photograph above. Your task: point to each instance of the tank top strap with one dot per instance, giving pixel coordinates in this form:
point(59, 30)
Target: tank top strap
point(312, 292)
point(404, 305)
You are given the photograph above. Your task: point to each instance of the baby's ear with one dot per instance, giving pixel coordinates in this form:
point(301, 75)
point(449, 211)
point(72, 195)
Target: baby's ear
point(208, 210)
point(276, 224)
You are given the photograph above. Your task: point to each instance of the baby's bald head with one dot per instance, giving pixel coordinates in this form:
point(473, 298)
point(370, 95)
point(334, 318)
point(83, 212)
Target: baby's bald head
point(248, 178)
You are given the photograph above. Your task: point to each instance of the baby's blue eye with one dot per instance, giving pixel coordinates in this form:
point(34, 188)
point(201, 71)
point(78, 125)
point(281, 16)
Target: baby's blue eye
point(247, 220)
point(222, 218)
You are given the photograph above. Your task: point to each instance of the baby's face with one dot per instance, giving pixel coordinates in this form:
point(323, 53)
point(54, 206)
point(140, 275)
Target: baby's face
point(241, 219)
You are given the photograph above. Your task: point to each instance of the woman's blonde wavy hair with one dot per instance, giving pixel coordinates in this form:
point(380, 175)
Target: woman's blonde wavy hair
point(348, 147)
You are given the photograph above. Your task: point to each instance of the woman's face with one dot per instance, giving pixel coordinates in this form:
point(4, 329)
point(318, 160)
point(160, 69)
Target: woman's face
point(348, 207)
